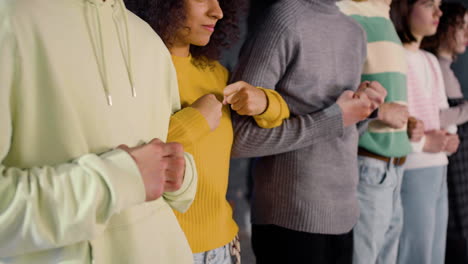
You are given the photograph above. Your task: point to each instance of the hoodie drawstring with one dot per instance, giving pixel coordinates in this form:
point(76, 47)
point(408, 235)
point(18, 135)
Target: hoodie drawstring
point(128, 57)
point(99, 47)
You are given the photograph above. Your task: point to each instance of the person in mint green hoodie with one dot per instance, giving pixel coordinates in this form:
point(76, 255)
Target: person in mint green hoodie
point(87, 91)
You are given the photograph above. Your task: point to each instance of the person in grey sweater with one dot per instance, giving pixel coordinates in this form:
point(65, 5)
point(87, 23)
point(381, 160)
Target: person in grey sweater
point(304, 202)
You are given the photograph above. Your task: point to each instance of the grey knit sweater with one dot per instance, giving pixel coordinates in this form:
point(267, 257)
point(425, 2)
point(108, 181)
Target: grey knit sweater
point(307, 175)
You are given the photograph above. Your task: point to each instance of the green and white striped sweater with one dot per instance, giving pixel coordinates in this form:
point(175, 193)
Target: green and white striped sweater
point(386, 64)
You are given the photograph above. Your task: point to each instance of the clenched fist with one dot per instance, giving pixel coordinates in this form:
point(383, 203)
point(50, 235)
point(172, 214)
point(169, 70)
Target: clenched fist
point(245, 99)
point(354, 108)
point(161, 165)
point(374, 91)
point(393, 114)
point(210, 108)
point(452, 143)
point(436, 141)
point(415, 129)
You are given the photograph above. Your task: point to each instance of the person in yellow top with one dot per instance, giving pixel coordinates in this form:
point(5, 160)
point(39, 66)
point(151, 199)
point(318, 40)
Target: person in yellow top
point(194, 32)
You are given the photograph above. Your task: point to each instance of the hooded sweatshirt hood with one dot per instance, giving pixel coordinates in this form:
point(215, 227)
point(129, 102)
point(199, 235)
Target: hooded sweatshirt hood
point(94, 12)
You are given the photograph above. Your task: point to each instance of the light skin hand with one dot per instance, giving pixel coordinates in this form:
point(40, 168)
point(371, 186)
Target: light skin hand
point(161, 165)
point(436, 141)
point(210, 108)
point(245, 99)
point(393, 114)
point(452, 143)
point(354, 109)
point(415, 129)
point(374, 91)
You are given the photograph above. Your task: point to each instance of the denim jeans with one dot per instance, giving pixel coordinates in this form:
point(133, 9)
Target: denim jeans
point(425, 207)
point(221, 255)
point(377, 233)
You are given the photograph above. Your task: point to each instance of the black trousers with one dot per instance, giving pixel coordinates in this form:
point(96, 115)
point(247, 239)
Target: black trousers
point(274, 244)
point(456, 250)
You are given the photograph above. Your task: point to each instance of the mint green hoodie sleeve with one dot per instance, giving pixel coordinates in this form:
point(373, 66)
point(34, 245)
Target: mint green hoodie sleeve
point(52, 206)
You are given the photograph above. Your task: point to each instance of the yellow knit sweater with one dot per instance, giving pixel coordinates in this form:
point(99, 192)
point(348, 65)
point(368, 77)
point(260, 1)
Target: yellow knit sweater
point(208, 224)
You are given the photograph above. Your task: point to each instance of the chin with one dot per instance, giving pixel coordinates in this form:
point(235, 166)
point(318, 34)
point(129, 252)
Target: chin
point(461, 50)
point(202, 42)
point(431, 32)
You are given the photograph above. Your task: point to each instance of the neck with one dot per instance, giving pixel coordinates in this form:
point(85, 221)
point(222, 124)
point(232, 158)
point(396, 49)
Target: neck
point(415, 45)
point(444, 54)
point(180, 50)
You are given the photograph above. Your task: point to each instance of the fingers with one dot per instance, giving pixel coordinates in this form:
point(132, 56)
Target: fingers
point(376, 94)
point(246, 99)
point(155, 141)
point(237, 100)
point(377, 87)
point(231, 90)
point(163, 150)
point(172, 165)
point(363, 105)
point(453, 142)
point(374, 91)
point(244, 110)
point(415, 129)
point(453, 139)
point(360, 90)
point(347, 95)
point(420, 125)
point(365, 100)
point(124, 147)
point(174, 174)
point(354, 108)
point(173, 149)
point(239, 106)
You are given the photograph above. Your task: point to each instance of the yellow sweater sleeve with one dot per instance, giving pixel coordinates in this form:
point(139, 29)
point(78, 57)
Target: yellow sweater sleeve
point(185, 126)
point(276, 111)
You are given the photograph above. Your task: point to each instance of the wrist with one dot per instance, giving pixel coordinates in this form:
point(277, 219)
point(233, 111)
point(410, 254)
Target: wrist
point(267, 102)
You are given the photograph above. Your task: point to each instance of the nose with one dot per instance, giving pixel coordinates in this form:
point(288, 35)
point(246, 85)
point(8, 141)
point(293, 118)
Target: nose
point(437, 11)
point(215, 10)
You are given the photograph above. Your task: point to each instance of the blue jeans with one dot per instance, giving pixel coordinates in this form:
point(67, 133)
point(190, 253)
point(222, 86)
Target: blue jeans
point(221, 255)
point(425, 208)
point(377, 232)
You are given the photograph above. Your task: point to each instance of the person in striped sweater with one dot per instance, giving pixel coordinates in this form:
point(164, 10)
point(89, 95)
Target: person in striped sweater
point(424, 186)
point(384, 146)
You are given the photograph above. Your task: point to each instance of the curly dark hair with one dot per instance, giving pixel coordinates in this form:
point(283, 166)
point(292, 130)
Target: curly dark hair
point(168, 16)
point(452, 19)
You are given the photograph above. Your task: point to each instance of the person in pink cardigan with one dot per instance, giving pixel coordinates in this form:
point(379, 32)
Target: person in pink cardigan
point(424, 185)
